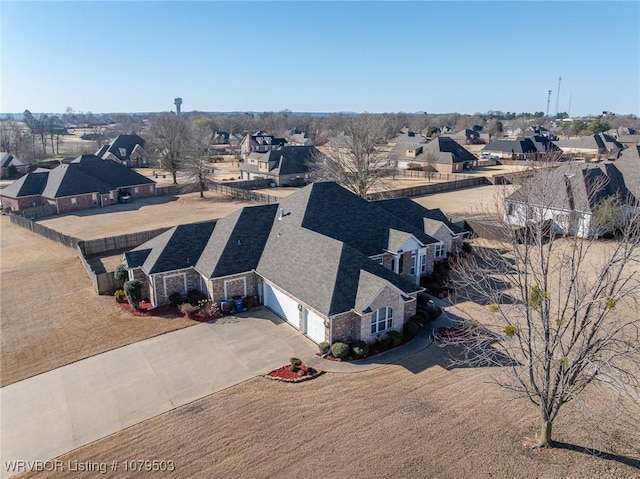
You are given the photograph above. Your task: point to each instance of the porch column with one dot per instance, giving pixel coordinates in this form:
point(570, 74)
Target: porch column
point(396, 266)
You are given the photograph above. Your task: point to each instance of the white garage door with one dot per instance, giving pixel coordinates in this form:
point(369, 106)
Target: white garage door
point(314, 326)
point(281, 304)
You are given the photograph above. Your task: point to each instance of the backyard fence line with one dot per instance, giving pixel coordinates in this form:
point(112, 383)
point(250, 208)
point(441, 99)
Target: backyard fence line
point(53, 235)
point(244, 194)
point(38, 211)
point(248, 184)
point(121, 242)
point(433, 175)
point(429, 189)
point(167, 190)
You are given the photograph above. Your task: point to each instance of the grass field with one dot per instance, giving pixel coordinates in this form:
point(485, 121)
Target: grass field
point(50, 313)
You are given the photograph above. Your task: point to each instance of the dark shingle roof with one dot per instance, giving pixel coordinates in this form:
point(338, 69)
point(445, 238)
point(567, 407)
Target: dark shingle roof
point(286, 160)
point(178, 248)
point(6, 160)
point(31, 184)
point(90, 174)
point(322, 272)
point(447, 150)
point(237, 242)
point(413, 213)
point(333, 211)
point(122, 146)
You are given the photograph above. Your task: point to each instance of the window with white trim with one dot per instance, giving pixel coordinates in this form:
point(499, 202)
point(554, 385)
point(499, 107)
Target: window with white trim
point(382, 320)
point(74, 202)
point(414, 262)
point(439, 252)
point(423, 263)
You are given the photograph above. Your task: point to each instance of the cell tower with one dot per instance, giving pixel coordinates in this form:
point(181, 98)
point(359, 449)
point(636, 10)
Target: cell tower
point(548, 101)
point(177, 102)
point(558, 96)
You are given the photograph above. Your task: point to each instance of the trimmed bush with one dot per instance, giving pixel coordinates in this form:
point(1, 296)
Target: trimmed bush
point(121, 273)
point(119, 295)
point(384, 342)
point(194, 296)
point(295, 364)
point(423, 298)
point(411, 328)
point(395, 337)
point(175, 298)
point(467, 248)
point(360, 349)
point(133, 291)
point(323, 347)
point(340, 350)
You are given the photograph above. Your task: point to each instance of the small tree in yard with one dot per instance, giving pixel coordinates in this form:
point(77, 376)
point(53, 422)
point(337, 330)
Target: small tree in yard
point(197, 162)
point(167, 139)
point(133, 291)
point(561, 313)
point(121, 273)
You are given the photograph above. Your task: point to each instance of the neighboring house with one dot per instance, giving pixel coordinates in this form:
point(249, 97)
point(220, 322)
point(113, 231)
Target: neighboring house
point(629, 165)
point(522, 148)
point(599, 144)
point(86, 182)
point(10, 166)
point(260, 142)
point(286, 166)
point(442, 154)
point(433, 222)
point(127, 150)
point(467, 137)
point(299, 138)
point(330, 263)
point(569, 198)
point(408, 137)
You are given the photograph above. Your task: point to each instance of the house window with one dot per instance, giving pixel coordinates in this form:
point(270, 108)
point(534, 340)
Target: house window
point(414, 262)
point(382, 320)
point(439, 253)
point(380, 260)
point(423, 263)
point(510, 209)
point(74, 202)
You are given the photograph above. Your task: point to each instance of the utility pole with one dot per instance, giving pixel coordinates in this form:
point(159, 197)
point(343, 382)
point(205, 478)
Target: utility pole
point(548, 101)
point(558, 96)
point(569, 110)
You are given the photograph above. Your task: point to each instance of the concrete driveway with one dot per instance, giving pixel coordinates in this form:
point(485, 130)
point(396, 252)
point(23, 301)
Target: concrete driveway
point(55, 412)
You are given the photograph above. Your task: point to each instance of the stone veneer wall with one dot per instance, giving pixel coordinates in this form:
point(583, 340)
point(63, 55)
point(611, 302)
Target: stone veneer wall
point(215, 287)
point(174, 281)
point(346, 327)
point(387, 297)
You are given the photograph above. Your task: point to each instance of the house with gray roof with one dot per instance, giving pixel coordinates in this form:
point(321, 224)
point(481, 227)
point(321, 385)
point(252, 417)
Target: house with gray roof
point(10, 166)
point(331, 264)
point(569, 196)
point(127, 150)
point(533, 148)
point(594, 145)
point(260, 142)
point(86, 182)
point(442, 153)
point(285, 166)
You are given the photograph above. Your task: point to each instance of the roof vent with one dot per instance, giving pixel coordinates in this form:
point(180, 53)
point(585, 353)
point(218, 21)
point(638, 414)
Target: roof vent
point(281, 214)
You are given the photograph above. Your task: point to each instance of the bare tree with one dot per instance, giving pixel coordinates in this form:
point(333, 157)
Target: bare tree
point(429, 168)
point(168, 141)
point(197, 159)
point(559, 313)
point(352, 159)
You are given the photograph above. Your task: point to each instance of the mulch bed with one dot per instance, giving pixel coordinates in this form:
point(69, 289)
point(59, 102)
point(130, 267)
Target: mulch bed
point(287, 375)
point(145, 309)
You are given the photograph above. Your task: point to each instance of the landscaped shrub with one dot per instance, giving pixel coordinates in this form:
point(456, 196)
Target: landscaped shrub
point(121, 273)
point(423, 298)
point(384, 342)
point(133, 291)
point(194, 296)
point(395, 337)
point(467, 248)
point(323, 347)
point(411, 328)
point(295, 364)
point(360, 349)
point(175, 298)
point(119, 295)
point(339, 350)
point(188, 309)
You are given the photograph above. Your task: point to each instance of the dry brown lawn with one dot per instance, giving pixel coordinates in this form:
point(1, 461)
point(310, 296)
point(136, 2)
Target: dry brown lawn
point(144, 214)
point(413, 420)
point(50, 314)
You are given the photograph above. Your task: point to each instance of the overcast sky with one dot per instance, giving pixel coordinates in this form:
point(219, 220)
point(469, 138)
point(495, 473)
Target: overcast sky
point(320, 56)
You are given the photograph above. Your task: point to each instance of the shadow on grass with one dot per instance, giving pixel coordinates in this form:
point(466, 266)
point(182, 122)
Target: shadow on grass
point(626, 460)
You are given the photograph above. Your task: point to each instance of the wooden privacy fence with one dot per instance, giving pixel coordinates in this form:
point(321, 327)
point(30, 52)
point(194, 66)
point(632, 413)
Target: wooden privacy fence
point(167, 190)
point(53, 235)
point(103, 283)
point(248, 184)
point(244, 194)
point(121, 242)
point(434, 175)
point(429, 189)
point(38, 211)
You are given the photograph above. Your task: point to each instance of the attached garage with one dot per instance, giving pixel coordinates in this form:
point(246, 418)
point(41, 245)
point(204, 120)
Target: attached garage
point(313, 326)
point(281, 304)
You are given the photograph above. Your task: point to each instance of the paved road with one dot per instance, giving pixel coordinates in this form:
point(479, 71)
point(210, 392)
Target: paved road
point(55, 412)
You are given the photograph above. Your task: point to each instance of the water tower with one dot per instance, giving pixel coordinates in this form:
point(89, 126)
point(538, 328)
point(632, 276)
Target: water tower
point(177, 102)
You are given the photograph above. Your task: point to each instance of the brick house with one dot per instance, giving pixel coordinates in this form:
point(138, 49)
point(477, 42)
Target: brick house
point(333, 265)
point(285, 165)
point(86, 182)
point(127, 150)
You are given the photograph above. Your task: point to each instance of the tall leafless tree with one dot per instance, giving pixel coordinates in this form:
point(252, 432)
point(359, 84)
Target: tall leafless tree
point(353, 158)
point(168, 142)
point(559, 314)
point(197, 159)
